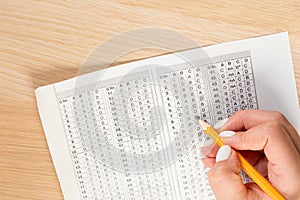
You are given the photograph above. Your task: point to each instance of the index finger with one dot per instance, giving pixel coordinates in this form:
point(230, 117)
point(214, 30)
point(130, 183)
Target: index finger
point(246, 119)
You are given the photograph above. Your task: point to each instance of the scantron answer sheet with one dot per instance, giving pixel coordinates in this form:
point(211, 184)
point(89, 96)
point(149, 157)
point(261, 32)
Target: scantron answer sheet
point(132, 133)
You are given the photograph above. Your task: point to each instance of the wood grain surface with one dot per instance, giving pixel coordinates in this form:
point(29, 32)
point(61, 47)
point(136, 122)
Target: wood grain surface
point(43, 42)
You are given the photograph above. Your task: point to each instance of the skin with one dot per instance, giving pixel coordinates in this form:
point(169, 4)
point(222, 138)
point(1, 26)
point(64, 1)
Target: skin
point(270, 143)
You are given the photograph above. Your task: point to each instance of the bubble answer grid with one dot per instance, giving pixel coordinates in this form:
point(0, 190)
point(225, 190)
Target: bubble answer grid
point(99, 118)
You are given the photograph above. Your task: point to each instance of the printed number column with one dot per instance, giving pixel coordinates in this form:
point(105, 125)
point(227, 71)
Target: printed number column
point(215, 90)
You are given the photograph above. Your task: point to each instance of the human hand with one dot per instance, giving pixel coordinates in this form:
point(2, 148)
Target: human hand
point(269, 142)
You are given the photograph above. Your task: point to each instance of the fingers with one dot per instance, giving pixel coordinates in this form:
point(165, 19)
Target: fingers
point(269, 136)
point(256, 159)
point(224, 177)
point(247, 119)
point(209, 149)
point(280, 152)
point(276, 144)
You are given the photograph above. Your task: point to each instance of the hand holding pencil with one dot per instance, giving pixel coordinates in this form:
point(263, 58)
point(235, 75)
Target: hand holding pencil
point(270, 144)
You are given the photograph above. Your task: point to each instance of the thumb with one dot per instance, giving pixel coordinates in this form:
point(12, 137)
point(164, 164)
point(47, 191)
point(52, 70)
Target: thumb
point(224, 177)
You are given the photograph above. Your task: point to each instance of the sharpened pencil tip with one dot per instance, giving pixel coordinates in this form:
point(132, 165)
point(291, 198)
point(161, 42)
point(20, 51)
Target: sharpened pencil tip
point(203, 124)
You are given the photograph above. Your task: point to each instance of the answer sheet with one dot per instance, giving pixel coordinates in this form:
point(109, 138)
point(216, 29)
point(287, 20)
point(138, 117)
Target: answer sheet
point(129, 132)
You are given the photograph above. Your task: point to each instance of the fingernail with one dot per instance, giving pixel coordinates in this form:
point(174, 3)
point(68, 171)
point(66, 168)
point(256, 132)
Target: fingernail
point(207, 143)
point(220, 124)
point(223, 153)
point(227, 134)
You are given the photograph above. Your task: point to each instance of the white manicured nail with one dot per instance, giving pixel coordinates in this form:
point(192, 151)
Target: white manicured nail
point(223, 153)
point(227, 133)
point(220, 124)
point(207, 143)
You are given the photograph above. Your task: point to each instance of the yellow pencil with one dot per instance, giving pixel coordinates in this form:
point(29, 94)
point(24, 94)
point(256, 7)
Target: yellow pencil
point(245, 165)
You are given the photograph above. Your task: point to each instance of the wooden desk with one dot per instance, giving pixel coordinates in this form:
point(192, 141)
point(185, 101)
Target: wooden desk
point(43, 42)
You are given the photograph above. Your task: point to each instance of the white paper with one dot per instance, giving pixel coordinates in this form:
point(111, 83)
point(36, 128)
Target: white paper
point(98, 142)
